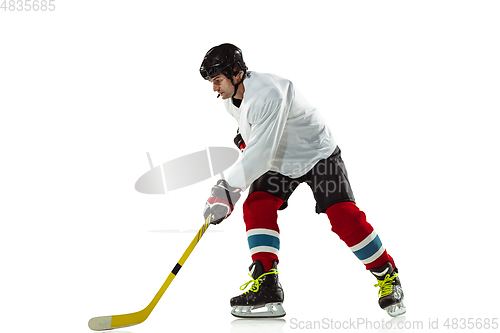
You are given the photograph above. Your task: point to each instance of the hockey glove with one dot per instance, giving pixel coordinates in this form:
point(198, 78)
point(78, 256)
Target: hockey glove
point(221, 204)
point(239, 142)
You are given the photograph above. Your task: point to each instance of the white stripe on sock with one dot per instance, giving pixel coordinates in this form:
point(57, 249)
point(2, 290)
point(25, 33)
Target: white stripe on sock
point(269, 232)
point(258, 249)
point(364, 242)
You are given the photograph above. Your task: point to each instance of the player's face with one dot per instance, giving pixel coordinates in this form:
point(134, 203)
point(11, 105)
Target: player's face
point(223, 86)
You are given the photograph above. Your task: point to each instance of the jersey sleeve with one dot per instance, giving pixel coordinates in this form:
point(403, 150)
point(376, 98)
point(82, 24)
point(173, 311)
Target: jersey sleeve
point(267, 126)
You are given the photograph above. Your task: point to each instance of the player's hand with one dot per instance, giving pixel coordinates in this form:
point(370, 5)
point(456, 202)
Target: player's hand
point(221, 203)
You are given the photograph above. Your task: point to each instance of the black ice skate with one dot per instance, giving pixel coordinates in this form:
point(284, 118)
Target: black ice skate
point(390, 293)
point(266, 292)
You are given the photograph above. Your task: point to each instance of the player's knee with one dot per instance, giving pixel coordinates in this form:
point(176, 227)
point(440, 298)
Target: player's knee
point(260, 204)
point(344, 217)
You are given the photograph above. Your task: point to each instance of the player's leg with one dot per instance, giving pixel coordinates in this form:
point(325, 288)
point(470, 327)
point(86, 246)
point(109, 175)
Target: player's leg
point(350, 224)
point(267, 195)
point(334, 196)
point(260, 213)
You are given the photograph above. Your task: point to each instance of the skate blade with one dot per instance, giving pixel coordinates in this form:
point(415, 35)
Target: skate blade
point(273, 310)
point(396, 309)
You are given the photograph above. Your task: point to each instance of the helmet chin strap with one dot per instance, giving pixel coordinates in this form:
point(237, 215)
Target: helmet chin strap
point(237, 85)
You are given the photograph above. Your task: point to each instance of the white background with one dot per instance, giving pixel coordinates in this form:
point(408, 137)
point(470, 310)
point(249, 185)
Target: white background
point(410, 89)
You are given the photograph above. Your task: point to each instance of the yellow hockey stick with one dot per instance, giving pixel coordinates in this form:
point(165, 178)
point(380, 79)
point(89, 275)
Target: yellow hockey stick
point(118, 321)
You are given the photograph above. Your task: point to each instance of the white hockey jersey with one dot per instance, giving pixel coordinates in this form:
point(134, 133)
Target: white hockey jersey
point(282, 131)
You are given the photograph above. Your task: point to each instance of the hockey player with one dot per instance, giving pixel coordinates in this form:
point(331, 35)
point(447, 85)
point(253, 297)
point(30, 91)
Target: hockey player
point(285, 142)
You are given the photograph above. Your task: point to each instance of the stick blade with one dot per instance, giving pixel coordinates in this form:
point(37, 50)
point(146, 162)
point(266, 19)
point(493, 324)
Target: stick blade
point(100, 323)
point(119, 321)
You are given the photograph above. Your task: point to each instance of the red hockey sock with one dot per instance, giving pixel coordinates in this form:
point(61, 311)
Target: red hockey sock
point(260, 212)
point(350, 224)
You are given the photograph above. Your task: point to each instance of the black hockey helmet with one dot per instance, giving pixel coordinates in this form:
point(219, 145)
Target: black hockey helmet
point(222, 59)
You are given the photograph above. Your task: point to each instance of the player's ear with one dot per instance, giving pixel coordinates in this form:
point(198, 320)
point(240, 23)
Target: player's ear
point(237, 78)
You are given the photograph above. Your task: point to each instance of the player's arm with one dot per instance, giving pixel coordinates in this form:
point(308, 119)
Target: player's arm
point(267, 127)
point(266, 131)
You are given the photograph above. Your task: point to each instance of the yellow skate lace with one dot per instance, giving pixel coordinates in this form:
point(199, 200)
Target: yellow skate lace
point(256, 283)
point(386, 285)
